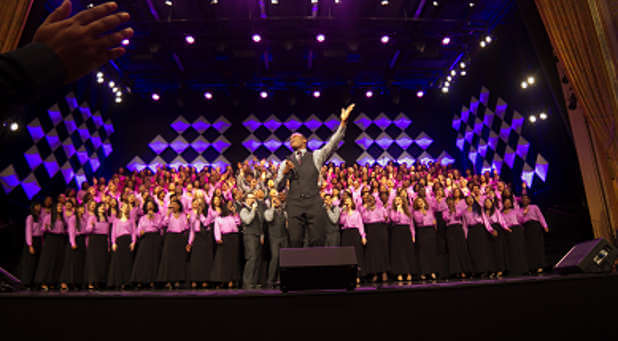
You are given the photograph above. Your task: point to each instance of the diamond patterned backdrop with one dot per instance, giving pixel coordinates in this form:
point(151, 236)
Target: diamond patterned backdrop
point(68, 141)
point(492, 139)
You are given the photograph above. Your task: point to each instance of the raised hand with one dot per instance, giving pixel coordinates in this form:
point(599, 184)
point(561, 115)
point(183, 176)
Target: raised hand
point(345, 113)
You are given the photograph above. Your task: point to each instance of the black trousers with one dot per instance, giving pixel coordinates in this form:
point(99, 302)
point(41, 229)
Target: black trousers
point(306, 215)
point(252, 254)
point(276, 243)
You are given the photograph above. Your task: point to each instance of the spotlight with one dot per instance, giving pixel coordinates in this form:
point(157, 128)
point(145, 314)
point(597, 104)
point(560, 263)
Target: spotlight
point(115, 89)
point(471, 4)
point(488, 39)
point(337, 2)
point(118, 99)
point(125, 42)
point(532, 118)
point(111, 84)
point(524, 85)
point(263, 94)
point(155, 97)
point(14, 126)
point(90, 5)
point(462, 65)
point(447, 84)
point(99, 74)
point(256, 38)
point(531, 80)
point(168, 3)
point(483, 43)
point(320, 37)
point(543, 116)
point(445, 90)
point(316, 93)
point(274, 2)
point(420, 93)
point(384, 2)
point(214, 2)
point(100, 80)
point(449, 78)
point(208, 95)
point(446, 40)
point(385, 39)
point(453, 73)
point(369, 94)
point(190, 40)
point(118, 93)
point(463, 72)
point(435, 3)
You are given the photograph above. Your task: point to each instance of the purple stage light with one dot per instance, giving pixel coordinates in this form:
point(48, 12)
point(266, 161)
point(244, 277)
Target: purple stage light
point(385, 39)
point(263, 94)
point(190, 40)
point(208, 95)
point(446, 40)
point(155, 97)
point(316, 93)
point(320, 37)
point(420, 93)
point(369, 94)
point(125, 42)
point(256, 38)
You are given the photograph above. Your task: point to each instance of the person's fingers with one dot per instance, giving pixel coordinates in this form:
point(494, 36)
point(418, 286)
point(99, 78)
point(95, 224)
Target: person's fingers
point(114, 39)
point(87, 16)
point(107, 23)
point(62, 12)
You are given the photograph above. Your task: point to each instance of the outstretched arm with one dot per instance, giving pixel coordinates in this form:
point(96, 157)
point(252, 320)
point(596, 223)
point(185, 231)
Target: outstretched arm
point(322, 154)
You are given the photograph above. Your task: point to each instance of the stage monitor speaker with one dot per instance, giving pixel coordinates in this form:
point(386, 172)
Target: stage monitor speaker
point(592, 256)
point(318, 268)
point(9, 282)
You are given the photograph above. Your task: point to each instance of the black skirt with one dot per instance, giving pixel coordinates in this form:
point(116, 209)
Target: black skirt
point(426, 249)
point(477, 246)
point(97, 259)
point(51, 260)
point(402, 255)
point(442, 260)
point(516, 250)
point(497, 249)
point(147, 258)
point(74, 263)
point(121, 263)
point(351, 237)
point(535, 245)
point(458, 256)
point(202, 256)
point(28, 262)
point(376, 250)
point(227, 266)
point(173, 258)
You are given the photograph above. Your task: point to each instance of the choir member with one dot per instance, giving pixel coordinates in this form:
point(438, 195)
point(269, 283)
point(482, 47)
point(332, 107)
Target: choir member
point(476, 236)
point(402, 248)
point(438, 205)
point(174, 255)
point(148, 255)
point(425, 230)
point(52, 252)
point(75, 253)
point(534, 225)
point(375, 219)
point(123, 244)
point(515, 239)
point(200, 245)
point(276, 219)
point(333, 234)
point(496, 238)
point(459, 263)
point(97, 252)
point(353, 233)
point(32, 247)
point(253, 239)
point(227, 267)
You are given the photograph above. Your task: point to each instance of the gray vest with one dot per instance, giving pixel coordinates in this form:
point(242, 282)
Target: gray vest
point(276, 228)
point(255, 227)
point(304, 178)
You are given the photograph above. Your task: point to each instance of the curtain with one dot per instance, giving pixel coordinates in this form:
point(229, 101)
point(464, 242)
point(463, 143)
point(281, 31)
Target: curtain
point(584, 40)
point(13, 16)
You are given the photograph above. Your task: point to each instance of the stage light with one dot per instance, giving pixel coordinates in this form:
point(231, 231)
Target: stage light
point(274, 2)
point(449, 78)
point(463, 72)
point(90, 5)
point(420, 93)
point(462, 65)
point(488, 39)
point(169, 3)
point(369, 94)
point(483, 43)
point(100, 80)
point(155, 97)
point(453, 73)
point(320, 37)
point(118, 93)
point(471, 4)
point(214, 2)
point(190, 40)
point(532, 118)
point(385, 39)
point(99, 74)
point(14, 126)
point(316, 93)
point(435, 3)
point(118, 99)
point(115, 89)
point(256, 38)
point(447, 84)
point(524, 85)
point(446, 40)
point(314, 2)
point(445, 90)
point(111, 84)
point(531, 80)
point(384, 2)
point(543, 116)
point(337, 2)
point(263, 94)
point(208, 95)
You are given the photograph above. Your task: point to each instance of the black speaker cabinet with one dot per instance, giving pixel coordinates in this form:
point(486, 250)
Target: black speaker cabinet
point(318, 268)
point(9, 282)
point(592, 256)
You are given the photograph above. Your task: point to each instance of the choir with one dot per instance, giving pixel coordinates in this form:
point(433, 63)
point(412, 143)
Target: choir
point(223, 229)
